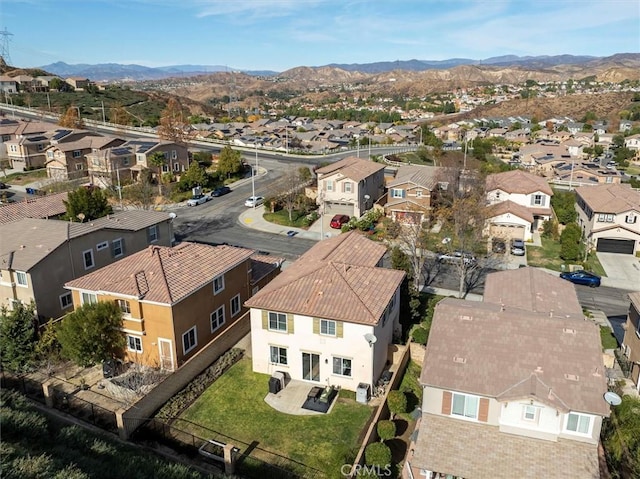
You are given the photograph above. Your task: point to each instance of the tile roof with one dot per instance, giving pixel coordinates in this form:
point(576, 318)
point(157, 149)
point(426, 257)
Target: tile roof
point(163, 274)
point(426, 176)
point(262, 265)
point(479, 451)
point(518, 181)
point(130, 220)
point(612, 198)
point(352, 167)
point(39, 207)
point(533, 290)
point(509, 206)
point(336, 279)
point(490, 350)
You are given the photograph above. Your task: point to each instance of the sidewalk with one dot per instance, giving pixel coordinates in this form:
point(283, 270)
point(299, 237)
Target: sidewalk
point(252, 218)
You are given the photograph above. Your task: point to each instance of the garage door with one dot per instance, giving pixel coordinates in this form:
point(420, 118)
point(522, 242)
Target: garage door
point(615, 246)
point(332, 208)
point(507, 232)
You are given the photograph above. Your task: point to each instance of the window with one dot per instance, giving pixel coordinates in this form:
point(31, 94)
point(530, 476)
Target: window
point(604, 218)
point(89, 298)
point(176, 167)
point(347, 187)
point(530, 413)
point(116, 248)
point(101, 246)
point(21, 278)
point(537, 200)
point(66, 300)
point(578, 423)
point(13, 148)
point(124, 306)
point(125, 161)
point(152, 233)
point(217, 318)
point(77, 154)
point(50, 155)
point(134, 344)
point(418, 193)
point(218, 284)
point(342, 366)
point(139, 158)
point(397, 193)
point(189, 340)
point(327, 327)
point(278, 355)
point(165, 168)
point(40, 147)
point(278, 322)
point(630, 219)
point(87, 257)
point(497, 195)
point(79, 166)
point(174, 155)
point(235, 305)
point(329, 184)
point(465, 406)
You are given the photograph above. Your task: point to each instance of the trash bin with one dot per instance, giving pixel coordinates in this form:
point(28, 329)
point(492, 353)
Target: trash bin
point(29, 191)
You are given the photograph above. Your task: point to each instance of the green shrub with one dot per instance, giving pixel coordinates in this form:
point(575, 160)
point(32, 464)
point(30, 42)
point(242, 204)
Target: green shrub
point(377, 454)
point(571, 247)
point(397, 402)
point(386, 430)
point(420, 335)
point(550, 229)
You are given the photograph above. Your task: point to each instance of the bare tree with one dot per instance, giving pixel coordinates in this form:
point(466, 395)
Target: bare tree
point(71, 118)
point(140, 194)
point(172, 125)
point(290, 190)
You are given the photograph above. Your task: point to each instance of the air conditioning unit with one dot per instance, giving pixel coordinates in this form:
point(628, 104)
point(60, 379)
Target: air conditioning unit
point(280, 376)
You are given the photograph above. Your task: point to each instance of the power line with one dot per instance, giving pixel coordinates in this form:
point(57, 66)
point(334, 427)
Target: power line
point(5, 38)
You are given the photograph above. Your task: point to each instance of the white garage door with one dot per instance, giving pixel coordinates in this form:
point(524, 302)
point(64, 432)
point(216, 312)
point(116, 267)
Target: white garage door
point(334, 208)
point(507, 232)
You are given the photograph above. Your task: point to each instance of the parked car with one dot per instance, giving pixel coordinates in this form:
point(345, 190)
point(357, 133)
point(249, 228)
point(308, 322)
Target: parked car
point(221, 191)
point(457, 256)
point(254, 201)
point(517, 247)
point(198, 200)
point(3, 186)
point(338, 220)
point(498, 246)
point(582, 277)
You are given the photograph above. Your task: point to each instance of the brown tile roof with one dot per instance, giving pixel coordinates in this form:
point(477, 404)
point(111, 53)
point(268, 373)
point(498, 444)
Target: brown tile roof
point(489, 350)
point(613, 198)
point(479, 451)
point(39, 207)
point(534, 290)
point(509, 206)
point(163, 274)
point(518, 181)
point(336, 279)
point(354, 168)
point(425, 176)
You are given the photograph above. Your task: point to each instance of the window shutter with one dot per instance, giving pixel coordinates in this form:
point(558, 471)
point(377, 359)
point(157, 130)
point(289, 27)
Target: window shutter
point(265, 319)
point(404, 193)
point(533, 200)
point(316, 326)
point(290, 323)
point(446, 403)
point(339, 329)
point(483, 413)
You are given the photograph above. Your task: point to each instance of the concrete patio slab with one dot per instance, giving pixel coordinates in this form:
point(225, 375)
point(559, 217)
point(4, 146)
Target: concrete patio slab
point(290, 399)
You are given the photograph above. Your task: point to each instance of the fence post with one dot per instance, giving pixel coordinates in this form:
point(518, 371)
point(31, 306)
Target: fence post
point(47, 389)
point(120, 424)
point(229, 459)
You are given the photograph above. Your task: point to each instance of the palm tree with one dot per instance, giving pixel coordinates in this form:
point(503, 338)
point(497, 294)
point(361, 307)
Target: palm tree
point(158, 160)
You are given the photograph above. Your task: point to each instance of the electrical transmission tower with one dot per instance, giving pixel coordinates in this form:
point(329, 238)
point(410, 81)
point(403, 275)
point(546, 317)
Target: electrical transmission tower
point(5, 38)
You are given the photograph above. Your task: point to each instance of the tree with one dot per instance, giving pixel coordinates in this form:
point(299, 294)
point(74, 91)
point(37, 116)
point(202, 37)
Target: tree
point(571, 247)
point(289, 191)
point(621, 438)
point(386, 430)
point(71, 118)
point(120, 116)
point(563, 204)
point(397, 401)
point(18, 337)
point(172, 125)
point(140, 194)
point(86, 204)
point(56, 84)
point(194, 176)
point(229, 162)
point(377, 454)
point(91, 333)
point(158, 160)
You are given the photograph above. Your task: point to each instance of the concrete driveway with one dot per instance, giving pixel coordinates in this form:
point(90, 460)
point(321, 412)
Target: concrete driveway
point(623, 270)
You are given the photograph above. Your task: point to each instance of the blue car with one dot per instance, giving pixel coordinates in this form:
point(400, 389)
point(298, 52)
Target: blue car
point(582, 277)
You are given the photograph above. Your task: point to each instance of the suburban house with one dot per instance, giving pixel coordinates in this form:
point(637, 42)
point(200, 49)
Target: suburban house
point(521, 396)
point(78, 83)
point(49, 206)
point(8, 84)
point(528, 204)
point(408, 197)
point(176, 300)
point(631, 343)
point(330, 317)
point(350, 186)
point(609, 216)
point(586, 174)
point(38, 256)
point(633, 143)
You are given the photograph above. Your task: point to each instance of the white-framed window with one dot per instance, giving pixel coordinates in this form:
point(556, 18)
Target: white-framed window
point(217, 318)
point(79, 167)
point(165, 168)
point(152, 234)
point(134, 343)
point(397, 193)
point(277, 322)
point(50, 154)
point(418, 193)
point(124, 306)
point(87, 258)
point(176, 167)
point(537, 200)
point(278, 355)
point(77, 153)
point(327, 327)
point(89, 298)
point(189, 340)
point(348, 187)
point(116, 248)
point(342, 366)
point(329, 185)
point(578, 423)
point(235, 305)
point(21, 279)
point(66, 300)
point(102, 245)
point(605, 218)
point(139, 158)
point(218, 284)
point(529, 413)
point(13, 148)
point(464, 405)
point(630, 218)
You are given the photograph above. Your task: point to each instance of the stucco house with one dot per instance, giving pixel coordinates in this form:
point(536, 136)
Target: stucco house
point(38, 256)
point(609, 216)
point(175, 300)
point(66, 160)
point(317, 320)
point(350, 186)
point(526, 402)
point(631, 342)
point(633, 143)
point(527, 199)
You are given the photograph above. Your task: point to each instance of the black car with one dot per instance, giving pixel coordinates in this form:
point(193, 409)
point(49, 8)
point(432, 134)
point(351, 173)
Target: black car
point(222, 190)
point(3, 186)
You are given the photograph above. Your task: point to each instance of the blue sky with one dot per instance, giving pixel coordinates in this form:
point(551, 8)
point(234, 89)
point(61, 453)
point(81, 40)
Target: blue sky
point(282, 34)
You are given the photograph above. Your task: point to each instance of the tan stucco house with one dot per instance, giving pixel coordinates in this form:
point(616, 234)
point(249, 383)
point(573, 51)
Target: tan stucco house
point(631, 342)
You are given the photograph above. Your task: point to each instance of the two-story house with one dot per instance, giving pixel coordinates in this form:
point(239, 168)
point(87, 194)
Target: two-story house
point(38, 256)
point(176, 300)
point(519, 202)
point(510, 391)
point(609, 216)
point(633, 143)
point(631, 342)
point(330, 317)
point(350, 186)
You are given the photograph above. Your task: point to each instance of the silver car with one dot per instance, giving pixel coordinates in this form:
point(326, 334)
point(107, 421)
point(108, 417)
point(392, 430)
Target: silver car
point(198, 200)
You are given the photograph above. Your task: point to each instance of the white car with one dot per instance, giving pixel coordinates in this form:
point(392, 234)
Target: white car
point(456, 257)
point(197, 200)
point(254, 201)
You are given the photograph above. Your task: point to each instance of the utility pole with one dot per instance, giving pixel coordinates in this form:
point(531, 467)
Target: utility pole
point(104, 119)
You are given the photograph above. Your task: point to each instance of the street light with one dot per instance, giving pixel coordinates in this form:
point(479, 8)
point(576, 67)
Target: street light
point(253, 176)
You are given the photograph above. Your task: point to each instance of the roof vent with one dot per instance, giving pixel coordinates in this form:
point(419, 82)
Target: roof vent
point(459, 360)
point(539, 370)
point(465, 317)
point(568, 330)
point(571, 377)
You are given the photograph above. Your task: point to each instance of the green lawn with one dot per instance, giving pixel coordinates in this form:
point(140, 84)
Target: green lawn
point(548, 256)
point(607, 338)
point(281, 217)
point(23, 178)
point(234, 405)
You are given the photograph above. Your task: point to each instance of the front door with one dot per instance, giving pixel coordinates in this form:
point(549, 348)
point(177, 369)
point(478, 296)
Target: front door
point(310, 367)
point(166, 354)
